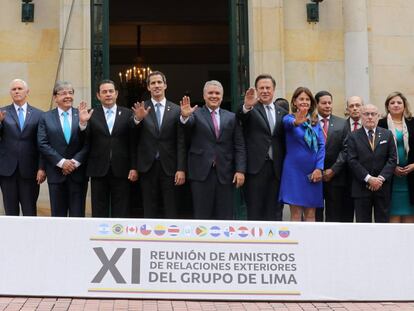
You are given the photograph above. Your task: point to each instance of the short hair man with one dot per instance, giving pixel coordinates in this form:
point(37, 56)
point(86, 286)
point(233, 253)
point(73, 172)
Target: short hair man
point(335, 132)
point(63, 147)
point(161, 149)
point(372, 158)
point(21, 168)
point(353, 109)
point(265, 144)
point(112, 162)
point(216, 158)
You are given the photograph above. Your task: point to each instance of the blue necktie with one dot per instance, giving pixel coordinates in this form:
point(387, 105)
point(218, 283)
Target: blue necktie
point(21, 118)
point(110, 119)
point(66, 126)
point(158, 114)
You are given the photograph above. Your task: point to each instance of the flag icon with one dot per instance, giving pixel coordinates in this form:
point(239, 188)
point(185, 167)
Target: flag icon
point(160, 230)
point(131, 229)
point(257, 232)
point(215, 231)
point(173, 230)
point(284, 232)
point(229, 231)
point(243, 232)
point(145, 229)
point(201, 231)
point(104, 229)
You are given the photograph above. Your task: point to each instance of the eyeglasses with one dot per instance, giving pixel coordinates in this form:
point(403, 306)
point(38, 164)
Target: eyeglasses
point(65, 93)
point(372, 114)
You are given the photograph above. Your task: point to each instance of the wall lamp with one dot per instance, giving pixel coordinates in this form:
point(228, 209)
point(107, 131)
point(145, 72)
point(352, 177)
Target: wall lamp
point(312, 10)
point(27, 11)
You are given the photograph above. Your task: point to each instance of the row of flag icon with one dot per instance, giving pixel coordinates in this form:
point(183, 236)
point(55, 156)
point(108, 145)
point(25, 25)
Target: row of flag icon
point(197, 231)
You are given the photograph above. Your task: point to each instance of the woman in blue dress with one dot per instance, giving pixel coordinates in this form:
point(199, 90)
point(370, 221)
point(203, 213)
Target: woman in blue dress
point(301, 183)
point(400, 122)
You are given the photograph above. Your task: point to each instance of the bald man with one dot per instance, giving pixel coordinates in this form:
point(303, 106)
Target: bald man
point(21, 171)
point(372, 159)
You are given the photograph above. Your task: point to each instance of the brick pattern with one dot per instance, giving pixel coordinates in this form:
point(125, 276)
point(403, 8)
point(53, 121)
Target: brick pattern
point(76, 304)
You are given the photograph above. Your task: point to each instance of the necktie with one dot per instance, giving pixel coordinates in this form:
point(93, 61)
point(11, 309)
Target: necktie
point(325, 127)
point(110, 119)
point(21, 118)
point(371, 138)
point(158, 113)
point(270, 118)
point(355, 126)
point(216, 128)
point(271, 121)
point(66, 126)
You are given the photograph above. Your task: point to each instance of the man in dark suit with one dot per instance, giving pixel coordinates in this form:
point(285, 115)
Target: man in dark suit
point(372, 158)
point(112, 160)
point(21, 170)
point(63, 147)
point(160, 149)
point(353, 123)
point(216, 158)
point(334, 175)
point(265, 144)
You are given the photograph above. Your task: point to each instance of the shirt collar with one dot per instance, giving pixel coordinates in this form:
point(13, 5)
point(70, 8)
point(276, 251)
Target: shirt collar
point(320, 118)
point(113, 108)
point(215, 111)
point(163, 102)
point(16, 107)
point(69, 111)
point(366, 130)
point(271, 105)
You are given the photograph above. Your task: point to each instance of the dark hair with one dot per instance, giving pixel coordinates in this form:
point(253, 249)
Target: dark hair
point(156, 73)
point(282, 102)
point(62, 85)
point(312, 108)
point(407, 112)
point(321, 94)
point(264, 76)
point(105, 81)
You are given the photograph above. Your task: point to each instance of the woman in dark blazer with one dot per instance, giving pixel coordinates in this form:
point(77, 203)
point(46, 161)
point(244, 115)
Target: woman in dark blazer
point(400, 122)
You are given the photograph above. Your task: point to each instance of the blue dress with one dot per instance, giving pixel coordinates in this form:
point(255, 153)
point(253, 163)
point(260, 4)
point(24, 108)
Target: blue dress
point(300, 162)
point(400, 199)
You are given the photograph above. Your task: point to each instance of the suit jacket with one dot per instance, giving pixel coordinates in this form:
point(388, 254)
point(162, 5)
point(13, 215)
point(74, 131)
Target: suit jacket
point(116, 150)
point(410, 158)
point(168, 140)
point(227, 151)
point(363, 160)
point(335, 149)
point(53, 146)
point(259, 138)
point(18, 149)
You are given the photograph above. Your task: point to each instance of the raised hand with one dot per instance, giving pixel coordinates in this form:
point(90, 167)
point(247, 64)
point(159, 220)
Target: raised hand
point(140, 112)
point(2, 115)
point(84, 114)
point(250, 98)
point(301, 115)
point(186, 109)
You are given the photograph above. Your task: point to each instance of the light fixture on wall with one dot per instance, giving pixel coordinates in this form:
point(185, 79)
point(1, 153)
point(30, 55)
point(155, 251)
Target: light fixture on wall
point(27, 11)
point(312, 11)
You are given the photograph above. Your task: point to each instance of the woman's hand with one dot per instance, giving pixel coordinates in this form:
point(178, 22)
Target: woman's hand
point(316, 175)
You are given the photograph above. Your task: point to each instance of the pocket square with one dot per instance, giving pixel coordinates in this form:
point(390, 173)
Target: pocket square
point(382, 142)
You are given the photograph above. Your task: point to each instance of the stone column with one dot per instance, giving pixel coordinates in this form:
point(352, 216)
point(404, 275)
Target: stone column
point(266, 31)
point(356, 49)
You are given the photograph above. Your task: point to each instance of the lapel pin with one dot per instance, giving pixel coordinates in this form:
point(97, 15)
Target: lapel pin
point(119, 113)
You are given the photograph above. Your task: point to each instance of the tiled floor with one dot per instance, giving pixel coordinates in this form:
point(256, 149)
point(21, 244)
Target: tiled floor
point(76, 304)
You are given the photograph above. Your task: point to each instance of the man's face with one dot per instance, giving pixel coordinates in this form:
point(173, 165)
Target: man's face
point(213, 96)
point(107, 95)
point(157, 87)
point(18, 92)
point(369, 117)
point(64, 98)
point(324, 106)
point(354, 107)
point(265, 91)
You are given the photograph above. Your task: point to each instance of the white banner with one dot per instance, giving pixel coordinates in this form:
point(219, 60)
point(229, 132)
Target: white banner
point(178, 259)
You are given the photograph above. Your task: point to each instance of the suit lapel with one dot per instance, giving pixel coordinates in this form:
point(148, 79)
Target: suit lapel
point(364, 138)
point(377, 139)
point(154, 117)
point(28, 116)
point(167, 114)
point(263, 114)
point(207, 116)
point(56, 120)
point(100, 115)
point(13, 114)
point(75, 121)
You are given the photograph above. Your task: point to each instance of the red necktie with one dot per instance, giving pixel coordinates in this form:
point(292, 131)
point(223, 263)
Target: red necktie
point(325, 127)
point(355, 126)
